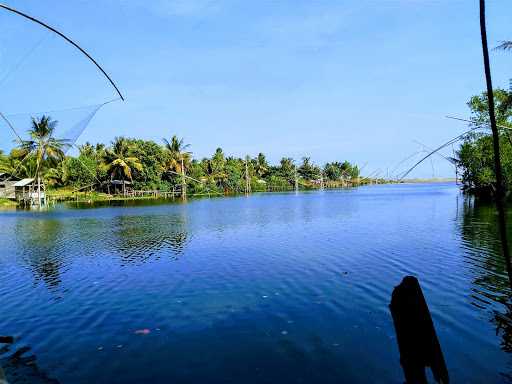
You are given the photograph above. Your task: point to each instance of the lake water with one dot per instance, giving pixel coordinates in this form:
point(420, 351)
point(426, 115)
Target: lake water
point(271, 288)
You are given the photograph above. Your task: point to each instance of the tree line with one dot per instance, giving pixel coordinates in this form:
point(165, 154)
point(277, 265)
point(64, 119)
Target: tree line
point(165, 166)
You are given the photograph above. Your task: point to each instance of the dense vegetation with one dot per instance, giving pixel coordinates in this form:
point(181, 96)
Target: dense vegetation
point(475, 156)
point(159, 166)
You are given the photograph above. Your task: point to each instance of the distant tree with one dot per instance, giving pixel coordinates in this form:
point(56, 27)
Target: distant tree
point(287, 169)
point(120, 162)
point(261, 166)
point(309, 171)
point(332, 171)
point(152, 157)
point(235, 170)
point(178, 160)
point(42, 147)
point(80, 171)
point(216, 168)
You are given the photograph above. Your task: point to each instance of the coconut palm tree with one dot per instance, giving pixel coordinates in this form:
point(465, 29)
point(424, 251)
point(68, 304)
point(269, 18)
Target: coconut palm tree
point(179, 159)
point(42, 147)
point(500, 189)
point(505, 46)
point(261, 166)
point(506, 104)
point(287, 169)
point(120, 162)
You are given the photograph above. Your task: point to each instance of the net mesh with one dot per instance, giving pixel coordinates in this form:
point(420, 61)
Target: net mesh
point(70, 124)
point(40, 74)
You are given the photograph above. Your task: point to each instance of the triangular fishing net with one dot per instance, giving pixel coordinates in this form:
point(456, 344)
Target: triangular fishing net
point(42, 75)
point(70, 124)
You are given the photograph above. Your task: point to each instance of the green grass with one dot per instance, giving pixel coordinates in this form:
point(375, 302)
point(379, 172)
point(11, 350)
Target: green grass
point(69, 194)
point(6, 203)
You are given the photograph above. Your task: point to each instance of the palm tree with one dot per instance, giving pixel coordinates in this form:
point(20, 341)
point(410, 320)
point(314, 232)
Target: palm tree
point(500, 189)
point(287, 169)
point(45, 149)
point(506, 104)
point(179, 160)
point(120, 162)
point(505, 46)
point(218, 168)
point(261, 167)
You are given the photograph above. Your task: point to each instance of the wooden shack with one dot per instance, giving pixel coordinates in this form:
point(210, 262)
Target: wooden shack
point(25, 191)
point(7, 185)
point(119, 187)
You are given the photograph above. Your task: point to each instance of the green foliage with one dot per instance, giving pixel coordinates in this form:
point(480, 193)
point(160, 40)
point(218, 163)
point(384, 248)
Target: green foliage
point(119, 160)
point(278, 183)
point(151, 166)
point(80, 171)
point(476, 155)
point(4, 163)
point(337, 171)
point(503, 108)
point(309, 171)
point(287, 169)
point(42, 148)
point(151, 157)
point(235, 171)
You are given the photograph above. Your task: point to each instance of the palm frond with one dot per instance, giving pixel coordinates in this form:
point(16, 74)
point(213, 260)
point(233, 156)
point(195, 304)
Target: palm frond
point(504, 46)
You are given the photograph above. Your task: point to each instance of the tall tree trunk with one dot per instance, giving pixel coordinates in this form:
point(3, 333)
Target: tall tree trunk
point(500, 188)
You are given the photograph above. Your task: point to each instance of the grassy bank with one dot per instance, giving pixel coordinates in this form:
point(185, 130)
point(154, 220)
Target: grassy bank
point(6, 203)
point(69, 194)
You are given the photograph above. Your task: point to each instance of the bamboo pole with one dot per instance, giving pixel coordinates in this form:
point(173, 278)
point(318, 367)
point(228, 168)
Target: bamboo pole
point(183, 181)
point(500, 190)
point(247, 178)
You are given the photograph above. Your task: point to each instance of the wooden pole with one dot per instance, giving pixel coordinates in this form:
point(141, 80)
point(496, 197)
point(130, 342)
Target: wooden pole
point(500, 188)
point(296, 180)
point(183, 182)
point(247, 178)
point(416, 336)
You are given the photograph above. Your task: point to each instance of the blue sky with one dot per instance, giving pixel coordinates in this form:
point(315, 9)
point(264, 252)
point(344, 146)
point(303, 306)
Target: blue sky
point(334, 80)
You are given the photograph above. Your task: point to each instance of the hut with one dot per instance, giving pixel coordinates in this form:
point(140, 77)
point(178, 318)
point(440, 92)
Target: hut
point(25, 191)
point(119, 187)
point(7, 185)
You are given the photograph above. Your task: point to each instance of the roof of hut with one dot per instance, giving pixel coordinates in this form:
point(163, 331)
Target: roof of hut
point(24, 182)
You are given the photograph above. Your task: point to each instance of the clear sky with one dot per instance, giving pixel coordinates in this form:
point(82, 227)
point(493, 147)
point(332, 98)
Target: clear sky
point(334, 80)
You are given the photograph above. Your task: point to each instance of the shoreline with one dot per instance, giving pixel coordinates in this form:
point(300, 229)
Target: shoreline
point(91, 198)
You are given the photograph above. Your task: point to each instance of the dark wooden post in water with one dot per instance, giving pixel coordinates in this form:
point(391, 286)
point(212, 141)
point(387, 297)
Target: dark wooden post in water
point(416, 335)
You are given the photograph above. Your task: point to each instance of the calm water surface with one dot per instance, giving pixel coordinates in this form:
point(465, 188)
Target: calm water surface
point(273, 288)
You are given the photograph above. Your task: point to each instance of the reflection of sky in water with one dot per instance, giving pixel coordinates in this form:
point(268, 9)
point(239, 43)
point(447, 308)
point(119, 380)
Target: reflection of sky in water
point(270, 288)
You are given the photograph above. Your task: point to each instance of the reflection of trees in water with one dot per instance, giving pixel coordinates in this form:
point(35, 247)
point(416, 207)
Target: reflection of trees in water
point(479, 230)
point(142, 238)
point(20, 366)
point(43, 250)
